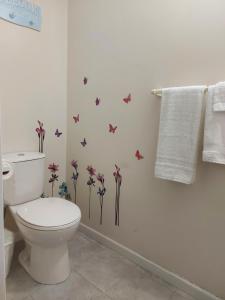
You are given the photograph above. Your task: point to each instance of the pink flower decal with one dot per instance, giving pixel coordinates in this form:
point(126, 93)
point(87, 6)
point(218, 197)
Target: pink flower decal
point(53, 168)
point(118, 180)
point(54, 177)
point(74, 164)
point(75, 176)
point(90, 183)
point(91, 171)
point(101, 192)
point(41, 135)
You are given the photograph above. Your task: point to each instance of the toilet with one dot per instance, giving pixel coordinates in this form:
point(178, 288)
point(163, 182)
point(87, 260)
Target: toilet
point(46, 224)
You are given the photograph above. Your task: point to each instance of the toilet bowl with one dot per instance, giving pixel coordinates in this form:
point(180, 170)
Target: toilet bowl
point(46, 224)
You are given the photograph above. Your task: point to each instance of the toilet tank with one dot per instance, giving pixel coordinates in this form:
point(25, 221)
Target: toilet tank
point(27, 182)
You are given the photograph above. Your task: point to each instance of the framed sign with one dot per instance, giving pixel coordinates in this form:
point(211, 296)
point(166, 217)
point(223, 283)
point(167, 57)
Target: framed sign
point(21, 12)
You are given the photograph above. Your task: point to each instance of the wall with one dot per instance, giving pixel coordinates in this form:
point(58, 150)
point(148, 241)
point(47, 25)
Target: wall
point(132, 47)
point(2, 251)
point(33, 80)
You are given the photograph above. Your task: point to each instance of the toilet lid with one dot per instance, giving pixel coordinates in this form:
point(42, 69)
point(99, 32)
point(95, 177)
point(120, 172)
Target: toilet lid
point(49, 212)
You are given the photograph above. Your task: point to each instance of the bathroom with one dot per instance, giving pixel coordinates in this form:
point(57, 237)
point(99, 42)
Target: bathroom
point(87, 75)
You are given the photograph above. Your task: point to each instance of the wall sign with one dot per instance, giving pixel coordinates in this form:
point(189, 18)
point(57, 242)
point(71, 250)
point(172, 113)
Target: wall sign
point(21, 12)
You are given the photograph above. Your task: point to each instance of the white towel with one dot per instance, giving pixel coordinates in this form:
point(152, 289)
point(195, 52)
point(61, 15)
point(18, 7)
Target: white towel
point(219, 97)
point(214, 133)
point(180, 119)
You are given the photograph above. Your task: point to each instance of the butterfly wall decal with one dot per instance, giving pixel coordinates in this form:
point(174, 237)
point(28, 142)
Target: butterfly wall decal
point(84, 142)
point(85, 81)
point(76, 118)
point(138, 155)
point(127, 99)
point(112, 129)
point(97, 101)
point(57, 133)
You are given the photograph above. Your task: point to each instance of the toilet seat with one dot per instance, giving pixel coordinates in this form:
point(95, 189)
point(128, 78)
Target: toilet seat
point(48, 214)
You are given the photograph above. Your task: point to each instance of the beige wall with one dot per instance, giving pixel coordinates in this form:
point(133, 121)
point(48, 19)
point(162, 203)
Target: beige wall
point(131, 47)
point(33, 81)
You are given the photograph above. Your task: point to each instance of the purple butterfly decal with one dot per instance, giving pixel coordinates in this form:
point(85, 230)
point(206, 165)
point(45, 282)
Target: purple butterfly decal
point(76, 118)
point(84, 143)
point(85, 80)
point(97, 101)
point(57, 133)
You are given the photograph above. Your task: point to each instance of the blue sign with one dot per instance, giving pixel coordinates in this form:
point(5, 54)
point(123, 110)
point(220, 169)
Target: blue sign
point(21, 12)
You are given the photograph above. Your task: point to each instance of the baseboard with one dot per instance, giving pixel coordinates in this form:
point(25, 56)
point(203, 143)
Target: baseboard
point(179, 282)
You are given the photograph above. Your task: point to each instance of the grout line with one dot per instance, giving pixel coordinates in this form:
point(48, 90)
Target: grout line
point(94, 284)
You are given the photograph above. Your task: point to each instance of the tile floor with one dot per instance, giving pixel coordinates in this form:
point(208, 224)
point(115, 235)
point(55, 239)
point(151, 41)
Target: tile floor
point(98, 273)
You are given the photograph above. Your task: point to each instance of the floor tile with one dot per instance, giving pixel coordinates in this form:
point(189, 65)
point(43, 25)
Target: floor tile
point(105, 267)
point(178, 295)
point(74, 288)
point(139, 288)
point(14, 298)
point(101, 297)
point(81, 248)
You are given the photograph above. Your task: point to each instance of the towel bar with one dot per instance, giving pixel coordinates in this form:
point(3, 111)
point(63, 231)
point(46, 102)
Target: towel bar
point(158, 92)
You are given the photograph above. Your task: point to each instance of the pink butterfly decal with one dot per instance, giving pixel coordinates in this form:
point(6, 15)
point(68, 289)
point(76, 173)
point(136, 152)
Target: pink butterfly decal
point(57, 133)
point(138, 155)
point(77, 118)
point(97, 101)
point(112, 129)
point(85, 80)
point(127, 99)
point(84, 142)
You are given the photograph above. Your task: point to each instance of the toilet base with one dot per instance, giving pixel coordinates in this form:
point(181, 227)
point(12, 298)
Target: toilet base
point(46, 265)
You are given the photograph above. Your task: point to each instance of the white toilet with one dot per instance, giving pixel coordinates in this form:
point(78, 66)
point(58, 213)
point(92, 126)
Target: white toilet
point(46, 224)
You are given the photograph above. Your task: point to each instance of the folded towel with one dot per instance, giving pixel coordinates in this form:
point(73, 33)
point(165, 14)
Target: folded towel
point(180, 118)
point(219, 97)
point(214, 133)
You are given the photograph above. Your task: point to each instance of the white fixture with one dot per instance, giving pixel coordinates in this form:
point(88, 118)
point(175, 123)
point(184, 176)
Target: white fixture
point(46, 224)
point(9, 240)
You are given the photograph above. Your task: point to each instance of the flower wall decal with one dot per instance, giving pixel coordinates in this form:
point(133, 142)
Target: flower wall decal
point(90, 183)
point(54, 177)
point(75, 176)
point(101, 192)
point(41, 135)
point(63, 191)
point(118, 180)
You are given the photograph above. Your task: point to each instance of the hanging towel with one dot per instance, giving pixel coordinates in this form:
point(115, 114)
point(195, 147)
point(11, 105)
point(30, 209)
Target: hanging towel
point(219, 97)
point(180, 118)
point(214, 133)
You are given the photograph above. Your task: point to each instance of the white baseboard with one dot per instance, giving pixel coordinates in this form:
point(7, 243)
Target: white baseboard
point(177, 281)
